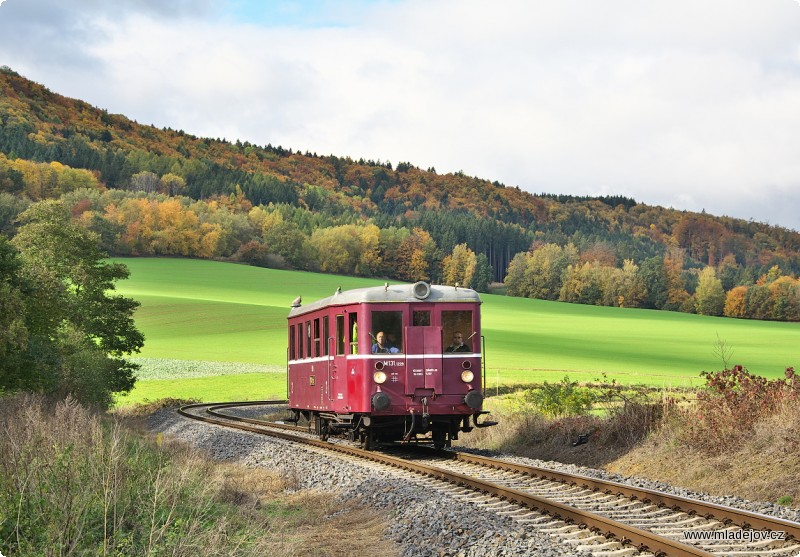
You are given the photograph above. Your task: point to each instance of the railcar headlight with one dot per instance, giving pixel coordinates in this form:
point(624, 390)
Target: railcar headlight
point(473, 399)
point(467, 376)
point(380, 401)
point(379, 377)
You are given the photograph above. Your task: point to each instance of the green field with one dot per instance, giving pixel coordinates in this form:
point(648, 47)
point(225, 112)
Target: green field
point(196, 311)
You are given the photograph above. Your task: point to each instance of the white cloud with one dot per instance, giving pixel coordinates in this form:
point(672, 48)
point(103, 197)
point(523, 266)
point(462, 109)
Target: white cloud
point(685, 104)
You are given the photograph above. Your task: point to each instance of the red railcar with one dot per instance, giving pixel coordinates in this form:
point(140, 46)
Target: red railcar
point(381, 364)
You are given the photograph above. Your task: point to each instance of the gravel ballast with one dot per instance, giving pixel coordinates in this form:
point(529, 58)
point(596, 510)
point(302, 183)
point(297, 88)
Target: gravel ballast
point(424, 521)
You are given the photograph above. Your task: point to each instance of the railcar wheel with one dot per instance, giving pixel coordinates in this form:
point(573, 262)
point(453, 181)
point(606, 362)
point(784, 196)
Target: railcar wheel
point(323, 429)
point(368, 440)
point(439, 438)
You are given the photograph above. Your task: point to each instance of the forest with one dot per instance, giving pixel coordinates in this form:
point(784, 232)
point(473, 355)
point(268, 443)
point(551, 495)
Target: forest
point(148, 191)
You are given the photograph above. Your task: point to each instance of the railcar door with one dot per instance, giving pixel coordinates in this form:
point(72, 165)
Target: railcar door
point(338, 348)
point(424, 360)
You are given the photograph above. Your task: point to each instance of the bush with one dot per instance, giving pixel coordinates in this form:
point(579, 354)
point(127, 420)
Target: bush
point(732, 403)
point(565, 398)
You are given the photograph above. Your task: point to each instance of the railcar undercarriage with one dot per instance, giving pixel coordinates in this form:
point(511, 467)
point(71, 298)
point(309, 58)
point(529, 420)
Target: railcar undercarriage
point(370, 431)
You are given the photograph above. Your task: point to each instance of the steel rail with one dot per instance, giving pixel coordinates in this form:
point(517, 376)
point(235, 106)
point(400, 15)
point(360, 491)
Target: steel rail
point(642, 539)
point(722, 513)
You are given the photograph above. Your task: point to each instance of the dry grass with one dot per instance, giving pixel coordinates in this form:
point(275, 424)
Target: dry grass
point(76, 483)
point(311, 522)
point(738, 436)
point(534, 436)
point(763, 465)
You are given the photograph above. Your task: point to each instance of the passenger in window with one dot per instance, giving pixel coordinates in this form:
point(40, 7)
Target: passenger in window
point(458, 344)
point(382, 345)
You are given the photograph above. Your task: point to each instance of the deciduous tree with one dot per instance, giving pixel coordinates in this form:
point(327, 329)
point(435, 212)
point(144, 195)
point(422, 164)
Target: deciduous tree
point(709, 296)
point(78, 331)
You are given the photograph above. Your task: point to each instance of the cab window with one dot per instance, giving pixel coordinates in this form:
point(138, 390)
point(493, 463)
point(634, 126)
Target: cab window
point(390, 323)
point(459, 322)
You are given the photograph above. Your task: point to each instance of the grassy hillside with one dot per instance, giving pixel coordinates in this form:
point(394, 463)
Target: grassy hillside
point(631, 345)
point(196, 310)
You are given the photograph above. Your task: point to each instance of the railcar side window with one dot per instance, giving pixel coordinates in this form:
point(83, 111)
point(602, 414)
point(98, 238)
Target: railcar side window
point(317, 350)
point(308, 339)
point(340, 340)
point(458, 322)
point(390, 323)
point(326, 333)
point(292, 343)
point(299, 340)
point(354, 333)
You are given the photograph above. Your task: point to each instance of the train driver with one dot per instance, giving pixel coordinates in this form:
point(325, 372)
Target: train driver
point(458, 344)
point(382, 345)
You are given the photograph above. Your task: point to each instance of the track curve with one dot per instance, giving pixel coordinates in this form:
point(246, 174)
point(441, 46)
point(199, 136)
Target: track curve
point(647, 520)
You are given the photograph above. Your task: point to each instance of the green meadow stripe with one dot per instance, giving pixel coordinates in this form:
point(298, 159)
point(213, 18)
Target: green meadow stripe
point(207, 311)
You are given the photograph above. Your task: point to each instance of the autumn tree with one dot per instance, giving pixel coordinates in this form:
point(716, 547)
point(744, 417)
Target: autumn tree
point(369, 260)
point(728, 272)
point(785, 294)
point(582, 284)
point(389, 242)
point(172, 184)
point(677, 295)
point(338, 249)
point(415, 256)
point(709, 296)
point(735, 302)
point(515, 281)
point(758, 302)
point(145, 181)
point(545, 269)
point(284, 238)
point(459, 267)
point(631, 290)
point(600, 252)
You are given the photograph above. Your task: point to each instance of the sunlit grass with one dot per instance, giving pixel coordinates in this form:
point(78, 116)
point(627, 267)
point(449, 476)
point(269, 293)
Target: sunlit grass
point(195, 310)
point(217, 388)
point(156, 368)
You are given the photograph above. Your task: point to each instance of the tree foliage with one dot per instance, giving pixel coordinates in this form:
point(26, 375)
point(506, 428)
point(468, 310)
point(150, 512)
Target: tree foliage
point(69, 333)
point(710, 297)
point(150, 191)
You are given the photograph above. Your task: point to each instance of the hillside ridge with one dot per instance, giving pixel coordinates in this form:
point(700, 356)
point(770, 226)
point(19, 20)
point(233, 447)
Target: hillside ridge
point(313, 192)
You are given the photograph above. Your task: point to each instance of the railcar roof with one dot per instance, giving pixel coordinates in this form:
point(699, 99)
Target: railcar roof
point(394, 293)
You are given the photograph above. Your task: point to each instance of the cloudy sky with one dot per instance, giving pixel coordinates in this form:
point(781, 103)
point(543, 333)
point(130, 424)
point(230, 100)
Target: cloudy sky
point(691, 104)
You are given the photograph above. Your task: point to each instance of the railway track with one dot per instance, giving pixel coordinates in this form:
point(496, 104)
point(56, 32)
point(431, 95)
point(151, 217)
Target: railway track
point(602, 517)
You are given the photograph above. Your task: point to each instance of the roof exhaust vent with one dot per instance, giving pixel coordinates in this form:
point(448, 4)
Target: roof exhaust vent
point(421, 290)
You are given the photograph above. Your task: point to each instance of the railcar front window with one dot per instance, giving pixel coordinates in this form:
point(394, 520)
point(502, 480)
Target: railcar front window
point(422, 319)
point(390, 324)
point(454, 322)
